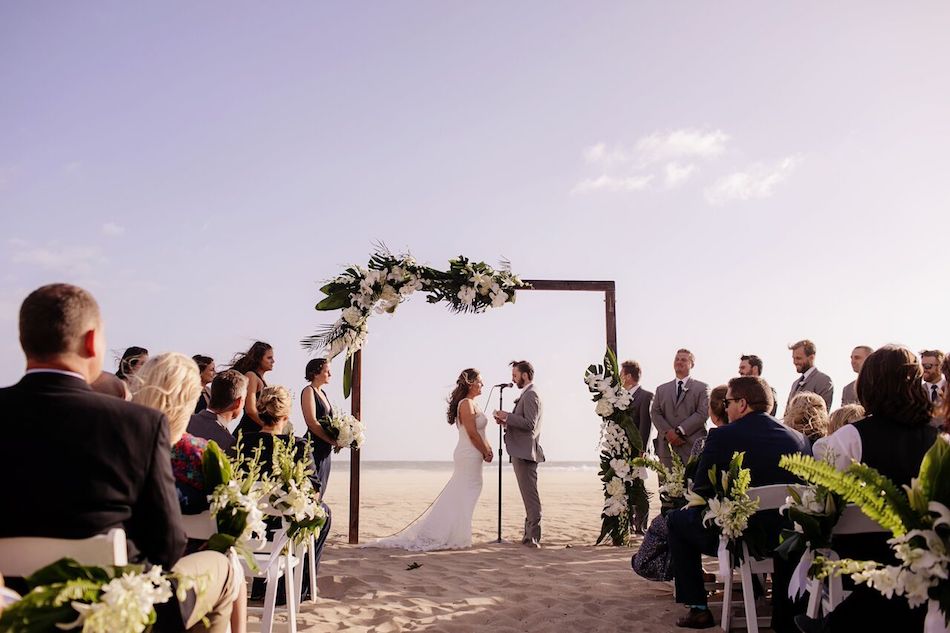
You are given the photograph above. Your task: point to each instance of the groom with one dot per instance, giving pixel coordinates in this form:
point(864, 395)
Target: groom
point(522, 430)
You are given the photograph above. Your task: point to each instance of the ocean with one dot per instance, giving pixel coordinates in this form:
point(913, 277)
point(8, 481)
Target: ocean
point(438, 466)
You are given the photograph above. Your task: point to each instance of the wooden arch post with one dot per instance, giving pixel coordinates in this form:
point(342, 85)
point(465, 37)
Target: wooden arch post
point(610, 312)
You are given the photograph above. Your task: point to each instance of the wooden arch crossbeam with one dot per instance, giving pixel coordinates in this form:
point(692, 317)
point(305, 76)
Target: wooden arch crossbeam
point(610, 312)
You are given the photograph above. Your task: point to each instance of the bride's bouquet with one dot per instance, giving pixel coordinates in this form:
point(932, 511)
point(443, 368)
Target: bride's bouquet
point(345, 429)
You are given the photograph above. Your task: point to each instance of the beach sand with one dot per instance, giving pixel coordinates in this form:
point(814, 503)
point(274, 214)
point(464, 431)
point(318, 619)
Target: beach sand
point(566, 585)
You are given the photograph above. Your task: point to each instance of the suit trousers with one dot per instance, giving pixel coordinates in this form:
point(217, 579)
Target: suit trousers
point(526, 472)
point(211, 610)
point(689, 540)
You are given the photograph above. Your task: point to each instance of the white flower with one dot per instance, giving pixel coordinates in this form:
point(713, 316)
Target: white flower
point(126, 603)
point(352, 315)
point(499, 298)
point(615, 487)
point(466, 295)
point(389, 296)
point(604, 408)
point(482, 283)
point(621, 468)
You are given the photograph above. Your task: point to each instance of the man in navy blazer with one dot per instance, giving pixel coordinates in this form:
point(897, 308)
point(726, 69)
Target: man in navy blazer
point(764, 440)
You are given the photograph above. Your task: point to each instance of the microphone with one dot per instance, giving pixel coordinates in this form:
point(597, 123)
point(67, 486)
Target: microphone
point(505, 385)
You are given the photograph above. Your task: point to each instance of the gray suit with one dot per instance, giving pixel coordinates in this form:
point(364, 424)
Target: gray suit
point(849, 395)
point(690, 412)
point(522, 432)
point(818, 383)
point(205, 424)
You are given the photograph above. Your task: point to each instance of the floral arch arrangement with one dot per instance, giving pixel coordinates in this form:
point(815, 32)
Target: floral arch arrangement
point(388, 280)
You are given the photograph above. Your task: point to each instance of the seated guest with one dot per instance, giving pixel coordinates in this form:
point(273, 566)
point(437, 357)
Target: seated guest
point(104, 461)
point(273, 407)
point(847, 414)
point(169, 383)
point(132, 358)
point(893, 439)
point(717, 415)
point(224, 406)
point(206, 370)
point(764, 440)
point(110, 385)
point(807, 414)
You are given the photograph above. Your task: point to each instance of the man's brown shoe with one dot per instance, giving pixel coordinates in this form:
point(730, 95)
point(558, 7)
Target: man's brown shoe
point(697, 619)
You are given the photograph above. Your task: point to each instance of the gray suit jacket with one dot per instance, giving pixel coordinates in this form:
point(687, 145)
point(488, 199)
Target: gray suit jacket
point(689, 412)
point(640, 411)
point(816, 383)
point(849, 395)
point(523, 427)
point(205, 424)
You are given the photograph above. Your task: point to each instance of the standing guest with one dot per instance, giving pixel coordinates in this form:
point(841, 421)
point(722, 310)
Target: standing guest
point(933, 381)
point(679, 410)
point(806, 413)
point(764, 440)
point(132, 358)
point(803, 357)
point(893, 440)
point(254, 363)
point(105, 461)
point(751, 365)
point(206, 371)
point(640, 399)
point(858, 355)
point(316, 406)
point(226, 403)
point(639, 409)
point(108, 384)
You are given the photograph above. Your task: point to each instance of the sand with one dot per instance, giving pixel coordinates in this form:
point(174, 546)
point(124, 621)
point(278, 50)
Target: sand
point(566, 585)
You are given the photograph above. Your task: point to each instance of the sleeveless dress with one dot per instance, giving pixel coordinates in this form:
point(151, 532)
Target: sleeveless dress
point(447, 524)
point(247, 423)
point(322, 451)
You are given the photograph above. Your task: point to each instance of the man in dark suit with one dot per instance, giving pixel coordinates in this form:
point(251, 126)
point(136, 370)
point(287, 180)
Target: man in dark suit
point(764, 440)
point(228, 390)
point(84, 463)
point(640, 412)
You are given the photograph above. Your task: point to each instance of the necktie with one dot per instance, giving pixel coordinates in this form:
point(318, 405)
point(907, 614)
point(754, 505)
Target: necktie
point(679, 389)
point(933, 393)
point(801, 383)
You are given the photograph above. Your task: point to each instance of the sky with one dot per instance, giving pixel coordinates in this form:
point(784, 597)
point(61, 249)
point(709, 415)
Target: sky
point(750, 174)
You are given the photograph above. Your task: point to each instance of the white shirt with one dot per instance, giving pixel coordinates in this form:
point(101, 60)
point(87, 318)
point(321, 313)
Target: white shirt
point(43, 370)
point(224, 423)
point(805, 376)
point(633, 390)
point(940, 385)
point(845, 443)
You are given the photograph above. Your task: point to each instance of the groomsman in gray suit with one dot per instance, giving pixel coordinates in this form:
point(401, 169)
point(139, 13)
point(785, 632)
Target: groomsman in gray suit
point(522, 435)
point(803, 357)
point(751, 365)
point(849, 394)
point(680, 410)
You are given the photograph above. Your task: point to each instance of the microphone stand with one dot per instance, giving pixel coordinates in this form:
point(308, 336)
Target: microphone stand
point(501, 397)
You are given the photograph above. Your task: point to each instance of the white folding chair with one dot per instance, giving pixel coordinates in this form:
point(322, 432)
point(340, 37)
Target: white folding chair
point(275, 558)
point(770, 498)
point(852, 521)
point(308, 549)
point(23, 555)
point(199, 526)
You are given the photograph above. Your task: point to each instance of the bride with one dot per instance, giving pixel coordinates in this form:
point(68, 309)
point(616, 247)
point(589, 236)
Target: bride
point(447, 524)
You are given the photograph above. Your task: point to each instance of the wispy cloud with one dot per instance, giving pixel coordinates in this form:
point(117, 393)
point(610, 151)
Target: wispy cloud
point(755, 182)
point(676, 174)
point(56, 257)
point(635, 167)
point(612, 183)
point(112, 229)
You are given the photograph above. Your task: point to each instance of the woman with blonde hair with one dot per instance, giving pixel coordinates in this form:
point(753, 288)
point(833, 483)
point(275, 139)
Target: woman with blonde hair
point(808, 415)
point(171, 384)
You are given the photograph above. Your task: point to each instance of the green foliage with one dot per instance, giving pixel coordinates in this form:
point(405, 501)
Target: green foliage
point(215, 466)
point(861, 485)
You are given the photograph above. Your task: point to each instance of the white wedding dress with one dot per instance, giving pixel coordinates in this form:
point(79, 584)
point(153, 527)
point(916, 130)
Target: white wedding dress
point(447, 524)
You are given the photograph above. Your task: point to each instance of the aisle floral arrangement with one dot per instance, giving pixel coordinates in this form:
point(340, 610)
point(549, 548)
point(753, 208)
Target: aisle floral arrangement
point(730, 508)
point(346, 430)
point(68, 596)
point(291, 494)
point(673, 480)
point(917, 516)
point(625, 495)
point(388, 280)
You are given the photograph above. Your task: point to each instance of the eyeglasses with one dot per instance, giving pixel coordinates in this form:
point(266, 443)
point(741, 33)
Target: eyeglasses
point(928, 366)
point(728, 400)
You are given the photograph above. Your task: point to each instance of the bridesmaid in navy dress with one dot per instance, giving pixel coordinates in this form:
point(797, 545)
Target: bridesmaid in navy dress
point(315, 406)
point(254, 363)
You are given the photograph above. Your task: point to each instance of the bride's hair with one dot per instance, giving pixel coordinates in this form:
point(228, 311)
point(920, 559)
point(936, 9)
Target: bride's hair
point(466, 379)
